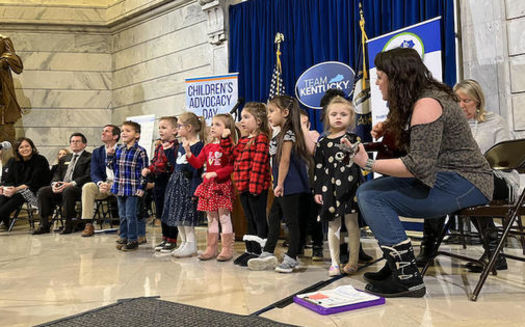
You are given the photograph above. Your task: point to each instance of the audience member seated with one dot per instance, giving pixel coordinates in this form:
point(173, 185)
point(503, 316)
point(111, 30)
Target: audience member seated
point(61, 153)
point(66, 186)
point(25, 174)
point(101, 177)
point(488, 129)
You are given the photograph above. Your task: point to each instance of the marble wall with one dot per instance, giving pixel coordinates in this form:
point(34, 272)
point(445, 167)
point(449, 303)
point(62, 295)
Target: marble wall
point(492, 35)
point(102, 61)
point(152, 59)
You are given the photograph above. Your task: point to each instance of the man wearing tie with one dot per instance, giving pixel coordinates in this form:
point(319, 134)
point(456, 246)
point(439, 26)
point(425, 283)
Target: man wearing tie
point(66, 186)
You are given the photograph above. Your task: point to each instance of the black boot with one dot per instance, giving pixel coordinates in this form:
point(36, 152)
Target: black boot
point(405, 280)
point(242, 258)
point(68, 227)
point(489, 234)
point(363, 257)
point(431, 231)
point(380, 275)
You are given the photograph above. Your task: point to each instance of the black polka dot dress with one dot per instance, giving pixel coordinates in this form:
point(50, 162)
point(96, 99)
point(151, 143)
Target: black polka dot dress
point(336, 178)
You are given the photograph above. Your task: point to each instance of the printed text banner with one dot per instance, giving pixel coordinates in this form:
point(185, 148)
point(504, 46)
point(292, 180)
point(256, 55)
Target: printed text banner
point(208, 96)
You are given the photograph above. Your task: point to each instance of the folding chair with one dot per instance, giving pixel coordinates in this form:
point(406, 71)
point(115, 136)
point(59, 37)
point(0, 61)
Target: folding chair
point(16, 216)
point(506, 155)
point(104, 211)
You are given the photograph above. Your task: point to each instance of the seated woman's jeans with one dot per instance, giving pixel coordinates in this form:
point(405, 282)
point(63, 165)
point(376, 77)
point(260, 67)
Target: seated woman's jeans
point(383, 200)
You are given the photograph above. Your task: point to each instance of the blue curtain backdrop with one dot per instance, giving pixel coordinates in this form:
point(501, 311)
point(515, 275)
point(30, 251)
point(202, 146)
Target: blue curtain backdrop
point(317, 31)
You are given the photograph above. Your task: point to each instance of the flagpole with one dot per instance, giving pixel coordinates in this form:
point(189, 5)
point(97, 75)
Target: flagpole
point(279, 37)
point(364, 38)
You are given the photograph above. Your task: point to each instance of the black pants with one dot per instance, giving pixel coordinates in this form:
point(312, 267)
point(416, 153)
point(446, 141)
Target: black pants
point(310, 226)
point(47, 200)
point(255, 212)
point(8, 205)
point(161, 182)
point(289, 207)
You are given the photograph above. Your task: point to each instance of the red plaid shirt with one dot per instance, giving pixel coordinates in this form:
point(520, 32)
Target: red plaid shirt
point(160, 163)
point(251, 169)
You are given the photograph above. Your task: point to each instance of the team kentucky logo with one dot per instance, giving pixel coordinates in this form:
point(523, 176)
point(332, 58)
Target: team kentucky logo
point(316, 80)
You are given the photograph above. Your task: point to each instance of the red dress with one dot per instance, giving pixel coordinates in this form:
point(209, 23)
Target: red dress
point(215, 193)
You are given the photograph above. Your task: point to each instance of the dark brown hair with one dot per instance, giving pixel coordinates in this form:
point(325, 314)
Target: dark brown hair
point(258, 110)
point(407, 77)
point(18, 142)
point(292, 123)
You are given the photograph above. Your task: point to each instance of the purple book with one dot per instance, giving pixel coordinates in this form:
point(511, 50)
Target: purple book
point(343, 298)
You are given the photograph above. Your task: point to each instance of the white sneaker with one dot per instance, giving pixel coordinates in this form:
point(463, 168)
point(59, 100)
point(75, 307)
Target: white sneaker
point(265, 261)
point(179, 249)
point(189, 250)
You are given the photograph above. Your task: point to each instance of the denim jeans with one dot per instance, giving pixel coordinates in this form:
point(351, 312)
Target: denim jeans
point(383, 200)
point(127, 209)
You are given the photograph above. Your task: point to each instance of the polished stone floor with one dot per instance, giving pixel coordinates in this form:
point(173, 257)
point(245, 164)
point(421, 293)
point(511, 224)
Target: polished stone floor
point(46, 277)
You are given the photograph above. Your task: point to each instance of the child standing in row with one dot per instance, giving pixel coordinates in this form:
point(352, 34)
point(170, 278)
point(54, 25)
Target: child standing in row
point(251, 175)
point(180, 206)
point(127, 162)
point(216, 191)
point(335, 183)
point(161, 168)
point(290, 182)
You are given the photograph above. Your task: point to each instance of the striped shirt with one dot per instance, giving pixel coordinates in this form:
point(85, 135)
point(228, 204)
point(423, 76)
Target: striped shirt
point(127, 165)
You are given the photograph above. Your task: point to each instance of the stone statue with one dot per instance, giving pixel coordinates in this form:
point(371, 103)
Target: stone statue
point(10, 111)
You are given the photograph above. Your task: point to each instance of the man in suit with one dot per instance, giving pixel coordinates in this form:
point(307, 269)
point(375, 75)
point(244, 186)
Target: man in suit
point(66, 186)
point(101, 177)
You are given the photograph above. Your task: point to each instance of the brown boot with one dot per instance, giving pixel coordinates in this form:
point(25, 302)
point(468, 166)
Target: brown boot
point(88, 231)
point(212, 241)
point(228, 240)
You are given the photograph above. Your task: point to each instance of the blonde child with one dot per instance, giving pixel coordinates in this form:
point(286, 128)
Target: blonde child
point(216, 190)
point(180, 206)
point(290, 159)
point(251, 174)
point(335, 183)
point(161, 168)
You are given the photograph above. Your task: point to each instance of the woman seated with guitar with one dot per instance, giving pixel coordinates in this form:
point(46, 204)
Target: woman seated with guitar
point(488, 129)
point(442, 172)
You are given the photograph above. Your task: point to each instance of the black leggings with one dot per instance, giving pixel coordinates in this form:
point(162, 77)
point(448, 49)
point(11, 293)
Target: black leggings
point(289, 207)
point(255, 212)
point(310, 226)
point(8, 205)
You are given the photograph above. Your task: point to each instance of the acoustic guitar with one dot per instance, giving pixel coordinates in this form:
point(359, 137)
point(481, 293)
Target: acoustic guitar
point(386, 149)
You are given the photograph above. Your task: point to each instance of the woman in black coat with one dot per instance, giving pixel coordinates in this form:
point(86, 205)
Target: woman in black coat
point(25, 174)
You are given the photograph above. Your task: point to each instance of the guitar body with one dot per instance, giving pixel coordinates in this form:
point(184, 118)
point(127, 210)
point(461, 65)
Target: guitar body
point(386, 149)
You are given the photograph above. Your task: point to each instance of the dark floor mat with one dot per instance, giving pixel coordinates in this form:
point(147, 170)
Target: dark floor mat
point(144, 312)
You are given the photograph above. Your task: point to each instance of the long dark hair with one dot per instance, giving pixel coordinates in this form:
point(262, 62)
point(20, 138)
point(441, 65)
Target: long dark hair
point(258, 111)
point(408, 77)
point(17, 144)
point(292, 123)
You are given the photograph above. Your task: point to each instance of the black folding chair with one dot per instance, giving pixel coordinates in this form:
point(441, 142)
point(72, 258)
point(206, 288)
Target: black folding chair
point(29, 210)
point(506, 155)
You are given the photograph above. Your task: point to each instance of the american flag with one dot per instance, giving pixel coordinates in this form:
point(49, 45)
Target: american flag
point(276, 85)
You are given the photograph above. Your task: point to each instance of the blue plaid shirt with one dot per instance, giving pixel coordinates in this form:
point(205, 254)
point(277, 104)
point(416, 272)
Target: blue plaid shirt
point(127, 165)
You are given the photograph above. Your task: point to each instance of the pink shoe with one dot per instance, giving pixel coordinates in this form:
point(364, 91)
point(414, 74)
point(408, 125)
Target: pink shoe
point(334, 271)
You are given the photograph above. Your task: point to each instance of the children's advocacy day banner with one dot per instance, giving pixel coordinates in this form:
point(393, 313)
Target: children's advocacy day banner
point(425, 37)
point(208, 96)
